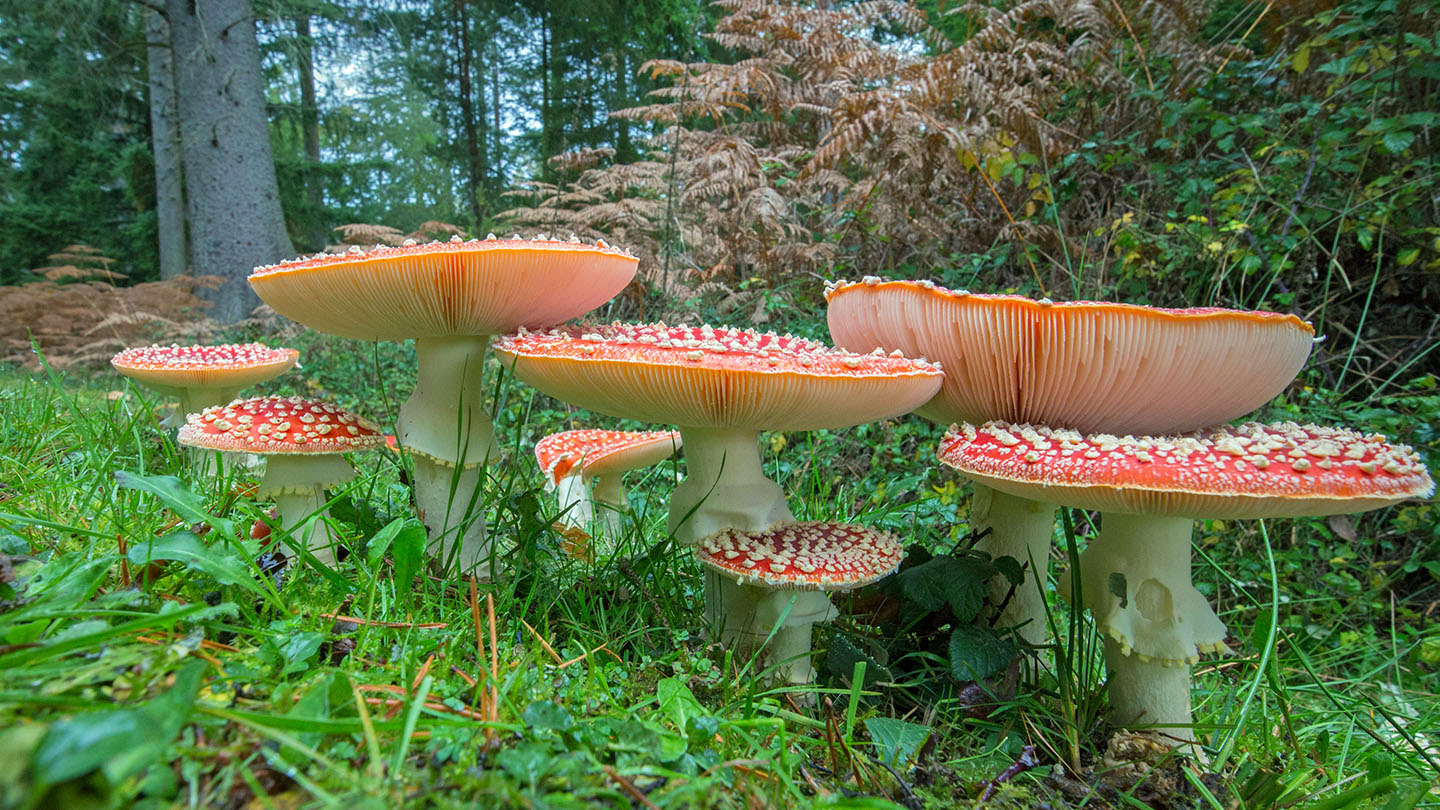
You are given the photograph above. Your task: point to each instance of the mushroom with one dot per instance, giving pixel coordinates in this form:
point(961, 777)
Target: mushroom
point(449, 296)
point(721, 387)
point(574, 461)
point(202, 376)
point(1084, 365)
point(759, 570)
point(1135, 577)
point(303, 440)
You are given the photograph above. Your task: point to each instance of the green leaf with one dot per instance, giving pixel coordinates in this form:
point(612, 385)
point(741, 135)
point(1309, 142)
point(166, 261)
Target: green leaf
point(184, 503)
point(226, 567)
point(958, 582)
point(896, 740)
point(380, 542)
point(677, 702)
point(840, 662)
point(979, 652)
point(548, 715)
point(297, 650)
point(1407, 256)
point(1398, 141)
point(1011, 568)
point(409, 554)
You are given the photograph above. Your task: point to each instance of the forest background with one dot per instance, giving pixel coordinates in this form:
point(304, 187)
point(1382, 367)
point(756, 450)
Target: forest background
point(1275, 155)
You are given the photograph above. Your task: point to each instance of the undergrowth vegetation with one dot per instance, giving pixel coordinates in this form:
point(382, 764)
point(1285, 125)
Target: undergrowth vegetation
point(152, 653)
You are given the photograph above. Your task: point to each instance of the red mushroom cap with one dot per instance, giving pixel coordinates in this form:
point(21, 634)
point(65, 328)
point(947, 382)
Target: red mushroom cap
point(1087, 365)
point(445, 289)
point(280, 425)
point(234, 365)
point(813, 555)
point(603, 452)
point(717, 377)
point(1249, 471)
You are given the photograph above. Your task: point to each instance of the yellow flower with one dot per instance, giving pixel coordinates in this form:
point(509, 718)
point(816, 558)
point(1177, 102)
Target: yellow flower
point(777, 442)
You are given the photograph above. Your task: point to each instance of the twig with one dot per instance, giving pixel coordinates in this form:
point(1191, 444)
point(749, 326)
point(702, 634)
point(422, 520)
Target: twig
point(394, 625)
point(494, 662)
point(543, 643)
point(124, 560)
point(629, 787)
point(1025, 762)
point(424, 670)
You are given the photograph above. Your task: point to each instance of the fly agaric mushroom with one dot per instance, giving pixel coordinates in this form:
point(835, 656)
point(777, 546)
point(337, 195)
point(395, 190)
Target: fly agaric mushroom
point(721, 387)
point(1083, 365)
point(1136, 575)
point(303, 440)
point(202, 376)
point(763, 568)
point(576, 460)
point(449, 296)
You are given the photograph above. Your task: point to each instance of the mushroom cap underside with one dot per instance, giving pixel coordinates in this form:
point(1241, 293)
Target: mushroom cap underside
point(603, 452)
point(445, 289)
point(716, 377)
point(1090, 366)
point(236, 365)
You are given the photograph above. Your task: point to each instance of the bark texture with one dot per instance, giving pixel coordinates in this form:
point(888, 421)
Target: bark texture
point(165, 143)
point(231, 193)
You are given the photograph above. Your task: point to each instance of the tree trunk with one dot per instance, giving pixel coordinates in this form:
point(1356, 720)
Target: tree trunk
point(165, 142)
point(316, 230)
point(231, 193)
point(467, 113)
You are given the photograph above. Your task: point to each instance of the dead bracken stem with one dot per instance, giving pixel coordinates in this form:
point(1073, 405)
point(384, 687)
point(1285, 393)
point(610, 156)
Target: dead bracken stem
point(494, 665)
point(629, 787)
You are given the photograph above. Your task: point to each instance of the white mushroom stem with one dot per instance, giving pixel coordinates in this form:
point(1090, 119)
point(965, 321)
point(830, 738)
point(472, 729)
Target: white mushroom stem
point(445, 420)
point(1022, 529)
point(297, 484)
point(1157, 624)
point(725, 485)
point(608, 494)
point(1149, 693)
point(576, 508)
point(448, 500)
point(193, 400)
point(747, 613)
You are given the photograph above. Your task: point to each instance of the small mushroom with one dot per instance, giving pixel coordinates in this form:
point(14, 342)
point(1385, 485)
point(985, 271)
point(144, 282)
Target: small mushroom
point(761, 571)
point(450, 297)
point(1136, 575)
point(303, 440)
point(575, 461)
point(1088, 365)
point(202, 376)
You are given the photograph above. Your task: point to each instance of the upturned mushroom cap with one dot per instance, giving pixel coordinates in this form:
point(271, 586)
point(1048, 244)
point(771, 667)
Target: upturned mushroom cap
point(1086, 365)
point(445, 289)
point(603, 452)
point(280, 426)
point(717, 377)
point(1250, 471)
point(234, 365)
point(812, 555)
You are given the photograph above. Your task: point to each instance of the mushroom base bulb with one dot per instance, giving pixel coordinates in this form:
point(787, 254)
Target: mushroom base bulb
point(305, 516)
point(725, 486)
point(1136, 581)
point(1022, 529)
point(746, 615)
point(455, 524)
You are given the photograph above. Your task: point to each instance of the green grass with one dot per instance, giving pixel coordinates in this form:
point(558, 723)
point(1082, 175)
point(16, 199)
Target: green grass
point(208, 682)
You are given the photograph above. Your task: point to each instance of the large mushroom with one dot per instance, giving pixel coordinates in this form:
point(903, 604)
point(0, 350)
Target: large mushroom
point(1082, 365)
point(201, 376)
point(1135, 577)
point(449, 296)
point(721, 387)
point(575, 462)
point(792, 561)
point(303, 441)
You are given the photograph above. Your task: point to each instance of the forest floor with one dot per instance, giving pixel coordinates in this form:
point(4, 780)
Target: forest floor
point(228, 675)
